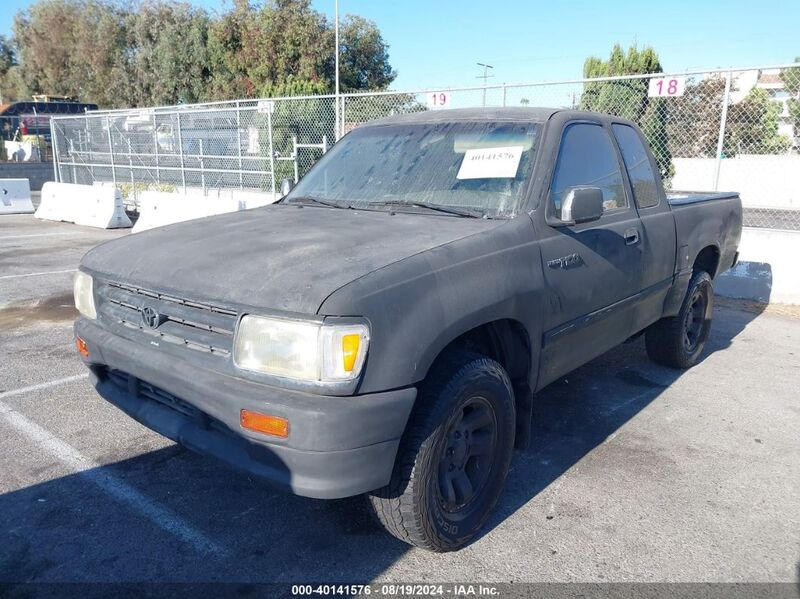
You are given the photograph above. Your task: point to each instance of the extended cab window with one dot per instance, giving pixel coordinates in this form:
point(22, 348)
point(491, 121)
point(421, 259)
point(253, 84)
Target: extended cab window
point(643, 181)
point(587, 159)
point(477, 166)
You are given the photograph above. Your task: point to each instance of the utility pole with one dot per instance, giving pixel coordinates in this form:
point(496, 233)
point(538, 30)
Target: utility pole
point(485, 77)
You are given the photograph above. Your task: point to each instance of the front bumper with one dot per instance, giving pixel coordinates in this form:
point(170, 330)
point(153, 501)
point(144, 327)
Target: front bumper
point(337, 446)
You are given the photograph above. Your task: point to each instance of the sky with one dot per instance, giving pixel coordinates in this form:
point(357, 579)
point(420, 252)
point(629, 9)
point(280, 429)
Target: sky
point(438, 43)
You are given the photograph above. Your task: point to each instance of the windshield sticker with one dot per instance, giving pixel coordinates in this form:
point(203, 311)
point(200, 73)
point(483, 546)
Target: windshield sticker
point(490, 163)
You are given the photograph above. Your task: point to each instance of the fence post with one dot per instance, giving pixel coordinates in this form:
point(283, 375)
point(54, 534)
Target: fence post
point(722, 122)
point(202, 168)
point(296, 158)
point(180, 150)
point(111, 152)
point(504, 95)
point(336, 117)
point(130, 168)
point(340, 133)
point(155, 142)
point(239, 143)
point(54, 143)
point(72, 154)
point(271, 151)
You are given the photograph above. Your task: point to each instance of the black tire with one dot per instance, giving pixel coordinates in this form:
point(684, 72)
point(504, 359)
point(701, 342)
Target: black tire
point(427, 503)
point(678, 341)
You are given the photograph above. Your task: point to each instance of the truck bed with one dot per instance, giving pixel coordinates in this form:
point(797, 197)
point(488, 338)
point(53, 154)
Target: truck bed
point(718, 222)
point(680, 198)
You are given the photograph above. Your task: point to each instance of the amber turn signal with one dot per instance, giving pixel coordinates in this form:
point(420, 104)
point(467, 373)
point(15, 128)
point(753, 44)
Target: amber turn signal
point(81, 345)
point(264, 423)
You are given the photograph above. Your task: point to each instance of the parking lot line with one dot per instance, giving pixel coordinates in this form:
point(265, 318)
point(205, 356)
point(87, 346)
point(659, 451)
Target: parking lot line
point(37, 274)
point(38, 235)
point(94, 473)
point(39, 386)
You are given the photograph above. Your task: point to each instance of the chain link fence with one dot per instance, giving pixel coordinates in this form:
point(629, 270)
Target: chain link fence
point(712, 130)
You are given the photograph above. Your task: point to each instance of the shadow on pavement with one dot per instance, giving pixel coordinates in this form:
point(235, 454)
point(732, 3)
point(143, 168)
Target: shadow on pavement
point(68, 529)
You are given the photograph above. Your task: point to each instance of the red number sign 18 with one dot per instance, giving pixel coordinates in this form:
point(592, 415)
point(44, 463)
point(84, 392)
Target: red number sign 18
point(666, 86)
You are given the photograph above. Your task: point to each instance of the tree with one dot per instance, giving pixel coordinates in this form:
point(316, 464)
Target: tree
point(254, 49)
point(8, 74)
point(791, 82)
point(752, 126)
point(167, 56)
point(73, 48)
point(628, 98)
point(694, 118)
point(124, 53)
point(7, 58)
point(364, 62)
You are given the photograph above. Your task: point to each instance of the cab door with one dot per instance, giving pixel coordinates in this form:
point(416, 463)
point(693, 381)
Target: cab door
point(592, 270)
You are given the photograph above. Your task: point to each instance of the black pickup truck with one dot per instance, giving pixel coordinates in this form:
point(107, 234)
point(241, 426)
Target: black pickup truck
point(385, 327)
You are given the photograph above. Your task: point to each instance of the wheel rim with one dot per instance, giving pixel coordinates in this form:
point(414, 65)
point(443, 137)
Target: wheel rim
point(695, 321)
point(466, 460)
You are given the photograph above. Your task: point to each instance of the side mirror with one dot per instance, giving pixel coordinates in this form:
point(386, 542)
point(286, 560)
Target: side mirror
point(286, 186)
point(582, 205)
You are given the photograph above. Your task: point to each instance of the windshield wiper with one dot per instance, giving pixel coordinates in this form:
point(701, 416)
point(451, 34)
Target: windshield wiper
point(320, 201)
point(468, 212)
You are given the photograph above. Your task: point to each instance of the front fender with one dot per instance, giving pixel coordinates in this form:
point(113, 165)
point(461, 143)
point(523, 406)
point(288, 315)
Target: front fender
point(418, 305)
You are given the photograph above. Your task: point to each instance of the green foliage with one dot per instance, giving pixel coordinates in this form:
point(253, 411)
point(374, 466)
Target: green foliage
point(154, 52)
point(73, 48)
point(130, 191)
point(752, 126)
point(11, 85)
point(7, 58)
point(794, 114)
point(791, 81)
point(166, 61)
point(694, 119)
point(364, 62)
point(628, 98)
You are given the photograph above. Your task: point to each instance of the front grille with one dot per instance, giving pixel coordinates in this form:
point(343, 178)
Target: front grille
point(142, 388)
point(146, 391)
point(195, 325)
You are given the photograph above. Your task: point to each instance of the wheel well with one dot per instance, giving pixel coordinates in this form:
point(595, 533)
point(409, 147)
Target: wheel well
point(707, 260)
point(508, 343)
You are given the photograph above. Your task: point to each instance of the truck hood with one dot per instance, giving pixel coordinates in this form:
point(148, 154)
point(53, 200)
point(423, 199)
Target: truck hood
point(279, 257)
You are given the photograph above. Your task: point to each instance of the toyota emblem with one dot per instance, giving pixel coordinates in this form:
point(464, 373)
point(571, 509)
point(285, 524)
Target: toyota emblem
point(150, 318)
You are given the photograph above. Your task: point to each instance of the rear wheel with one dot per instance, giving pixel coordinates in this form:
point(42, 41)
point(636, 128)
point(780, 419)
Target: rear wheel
point(678, 341)
point(453, 459)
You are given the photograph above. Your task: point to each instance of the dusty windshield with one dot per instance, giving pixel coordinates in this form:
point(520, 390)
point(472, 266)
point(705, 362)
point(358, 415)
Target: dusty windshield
point(466, 168)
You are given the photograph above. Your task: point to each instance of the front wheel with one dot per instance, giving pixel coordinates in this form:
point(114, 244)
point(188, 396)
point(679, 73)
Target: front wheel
point(679, 340)
point(454, 457)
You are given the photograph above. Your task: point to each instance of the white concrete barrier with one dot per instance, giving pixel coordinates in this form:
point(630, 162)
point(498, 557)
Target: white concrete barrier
point(768, 269)
point(766, 181)
point(157, 208)
point(88, 205)
point(15, 196)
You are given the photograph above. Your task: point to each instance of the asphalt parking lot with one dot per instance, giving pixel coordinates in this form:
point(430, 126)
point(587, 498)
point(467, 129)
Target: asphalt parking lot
point(636, 472)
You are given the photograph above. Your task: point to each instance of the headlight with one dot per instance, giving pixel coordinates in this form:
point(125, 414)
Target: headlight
point(301, 350)
point(84, 297)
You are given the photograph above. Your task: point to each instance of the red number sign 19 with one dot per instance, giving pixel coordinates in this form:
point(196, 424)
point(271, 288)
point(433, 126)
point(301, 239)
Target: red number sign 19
point(438, 100)
point(668, 87)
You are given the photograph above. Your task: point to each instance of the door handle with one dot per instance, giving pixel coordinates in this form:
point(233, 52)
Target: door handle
point(631, 236)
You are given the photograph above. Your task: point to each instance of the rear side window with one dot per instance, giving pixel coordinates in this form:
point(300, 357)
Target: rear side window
point(643, 180)
point(587, 159)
